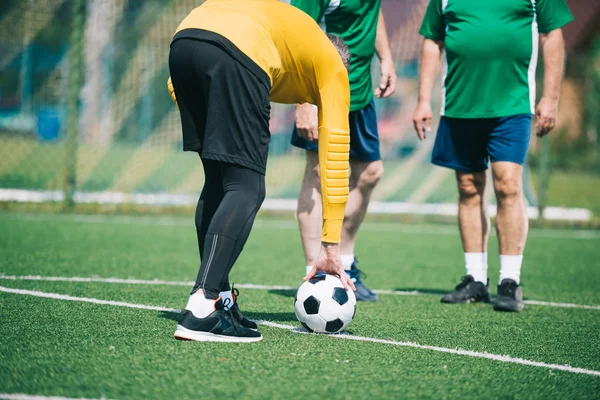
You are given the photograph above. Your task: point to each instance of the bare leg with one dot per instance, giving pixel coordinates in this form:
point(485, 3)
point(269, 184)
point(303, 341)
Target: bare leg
point(511, 221)
point(512, 226)
point(473, 221)
point(364, 176)
point(310, 209)
point(474, 225)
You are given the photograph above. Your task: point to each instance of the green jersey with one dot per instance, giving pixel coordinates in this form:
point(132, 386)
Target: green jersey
point(491, 52)
point(355, 21)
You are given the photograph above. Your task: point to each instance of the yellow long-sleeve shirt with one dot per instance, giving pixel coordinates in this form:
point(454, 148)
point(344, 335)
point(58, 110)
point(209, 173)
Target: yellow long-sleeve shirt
point(303, 67)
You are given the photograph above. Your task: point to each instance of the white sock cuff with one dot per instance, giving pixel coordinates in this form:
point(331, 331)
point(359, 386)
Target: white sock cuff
point(476, 258)
point(476, 265)
point(347, 261)
point(308, 268)
point(510, 267)
point(200, 306)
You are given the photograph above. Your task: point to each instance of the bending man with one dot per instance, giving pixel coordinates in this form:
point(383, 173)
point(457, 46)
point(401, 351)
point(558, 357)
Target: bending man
point(228, 60)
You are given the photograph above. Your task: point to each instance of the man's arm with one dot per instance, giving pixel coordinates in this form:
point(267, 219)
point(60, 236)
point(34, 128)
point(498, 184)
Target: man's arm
point(428, 70)
point(387, 83)
point(334, 148)
point(553, 50)
point(306, 114)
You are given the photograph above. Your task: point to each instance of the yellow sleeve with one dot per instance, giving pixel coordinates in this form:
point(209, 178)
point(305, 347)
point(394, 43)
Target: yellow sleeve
point(334, 148)
point(172, 91)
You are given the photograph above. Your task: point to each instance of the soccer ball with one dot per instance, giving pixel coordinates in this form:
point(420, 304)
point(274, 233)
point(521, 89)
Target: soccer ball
point(323, 305)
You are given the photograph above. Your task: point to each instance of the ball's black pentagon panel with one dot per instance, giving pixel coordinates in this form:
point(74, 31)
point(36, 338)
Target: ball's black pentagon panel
point(306, 327)
point(317, 278)
point(340, 295)
point(334, 326)
point(311, 305)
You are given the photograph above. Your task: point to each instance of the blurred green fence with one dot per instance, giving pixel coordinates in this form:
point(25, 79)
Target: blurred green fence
point(84, 108)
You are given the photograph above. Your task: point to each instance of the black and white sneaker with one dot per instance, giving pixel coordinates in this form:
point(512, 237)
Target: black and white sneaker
point(219, 326)
point(468, 291)
point(510, 297)
point(237, 313)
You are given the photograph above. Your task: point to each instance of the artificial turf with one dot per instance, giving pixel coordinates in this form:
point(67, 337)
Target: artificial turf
point(59, 348)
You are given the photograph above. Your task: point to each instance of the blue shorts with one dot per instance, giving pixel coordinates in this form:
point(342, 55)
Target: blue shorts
point(465, 144)
point(364, 138)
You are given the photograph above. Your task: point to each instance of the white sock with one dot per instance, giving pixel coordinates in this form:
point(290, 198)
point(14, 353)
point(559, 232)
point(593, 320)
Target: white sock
point(347, 260)
point(200, 306)
point(510, 268)
point(477, 266)
point(308, 268)
point(227, 295)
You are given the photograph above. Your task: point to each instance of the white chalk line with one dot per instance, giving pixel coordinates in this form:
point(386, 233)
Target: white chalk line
point(287, 224)
point(461, 352)
point(23, 396)
point(249, 286)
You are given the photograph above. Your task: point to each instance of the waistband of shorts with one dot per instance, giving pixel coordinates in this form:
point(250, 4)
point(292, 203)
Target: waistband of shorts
point(229, 47)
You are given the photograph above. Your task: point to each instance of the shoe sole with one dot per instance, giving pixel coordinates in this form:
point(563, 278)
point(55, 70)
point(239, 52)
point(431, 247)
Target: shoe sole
point(182, 333)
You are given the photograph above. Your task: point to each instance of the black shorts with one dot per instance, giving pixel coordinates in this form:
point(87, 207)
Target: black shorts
point(223, 99)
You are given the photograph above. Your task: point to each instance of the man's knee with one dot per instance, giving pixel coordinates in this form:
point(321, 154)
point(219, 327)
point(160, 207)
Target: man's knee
point(508, 187)
point(369, 175)
point(471, 186)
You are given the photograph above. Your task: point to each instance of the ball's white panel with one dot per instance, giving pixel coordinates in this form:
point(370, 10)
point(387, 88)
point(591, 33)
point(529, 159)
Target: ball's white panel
point(351, 296)
point(334, 281)
point(315, 322)
point(304, 291)
point(300, 313)
point(347, 312)
point(322, 290)
point(344, 327)
point(329, 309)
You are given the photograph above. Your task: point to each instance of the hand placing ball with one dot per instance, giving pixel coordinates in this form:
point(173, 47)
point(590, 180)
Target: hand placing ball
point(323, 305)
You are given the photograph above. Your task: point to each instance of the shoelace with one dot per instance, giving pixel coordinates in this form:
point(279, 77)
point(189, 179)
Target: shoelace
point(235, 293)
point(356, 274)
point(508, 288)
point(227, 305)
point(464, 283)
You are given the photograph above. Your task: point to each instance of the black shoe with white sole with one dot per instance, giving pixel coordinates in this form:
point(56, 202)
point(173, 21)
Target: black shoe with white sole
point(468, 291)
point(510, 297)
point(237, 313)
point(219, 326)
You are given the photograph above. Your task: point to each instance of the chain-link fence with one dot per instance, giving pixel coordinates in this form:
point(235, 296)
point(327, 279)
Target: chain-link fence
point(84, 109)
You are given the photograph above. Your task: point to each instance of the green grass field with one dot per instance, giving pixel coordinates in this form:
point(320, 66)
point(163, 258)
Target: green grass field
point(54, 347)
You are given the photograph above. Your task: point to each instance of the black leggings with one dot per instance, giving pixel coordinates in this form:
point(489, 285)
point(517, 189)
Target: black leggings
point(230, 199)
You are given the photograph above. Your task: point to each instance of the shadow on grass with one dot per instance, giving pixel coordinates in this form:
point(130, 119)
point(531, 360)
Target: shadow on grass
point(274, 316)
point(425, 290)
point(284, 292)
point(266, 316)
point(173, 316)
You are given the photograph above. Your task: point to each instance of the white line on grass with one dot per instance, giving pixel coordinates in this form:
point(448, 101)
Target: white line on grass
point(286, 224)
point(468, 353)
point(249, 286)
point(23, 396)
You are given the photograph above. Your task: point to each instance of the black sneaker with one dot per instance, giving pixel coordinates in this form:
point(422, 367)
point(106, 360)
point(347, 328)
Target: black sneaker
point(510, 297)
point(468, 291)
point(237, 313)
point(219, 326)
point(362, 292)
